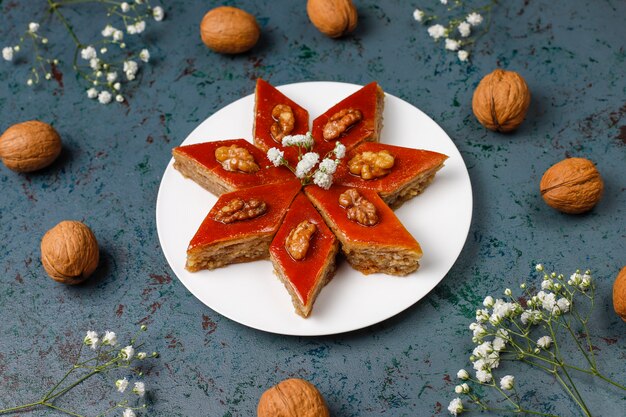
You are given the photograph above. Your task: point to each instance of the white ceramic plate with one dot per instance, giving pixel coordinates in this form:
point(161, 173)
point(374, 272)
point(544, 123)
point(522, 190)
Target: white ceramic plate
point(251, 294)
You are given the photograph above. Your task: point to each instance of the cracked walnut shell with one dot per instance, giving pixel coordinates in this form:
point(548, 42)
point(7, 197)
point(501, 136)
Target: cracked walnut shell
point(292, 398)
point(29, 146)
point(501, 100)
point(69, 252)
point(619, 294)
point(333, 18)
point(572, 186)
point(229, 30)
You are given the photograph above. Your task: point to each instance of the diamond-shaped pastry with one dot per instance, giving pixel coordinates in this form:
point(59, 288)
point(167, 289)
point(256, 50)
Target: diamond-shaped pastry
point(200, 163)
point(383, 245)
point(240, 226)
point(268, 113)
point(303, 253)
point(412, 170)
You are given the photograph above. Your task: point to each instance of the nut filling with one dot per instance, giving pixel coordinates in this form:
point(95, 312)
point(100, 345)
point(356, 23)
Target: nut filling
point(358, 208)
point(340, 122)
point(371, 165)
point(234, 158)
point(298, 241)
point(284, 122)
point(238, 209)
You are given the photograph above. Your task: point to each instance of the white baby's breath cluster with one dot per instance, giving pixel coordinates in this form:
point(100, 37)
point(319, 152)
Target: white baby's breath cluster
point(459, 32)
point(308, 160)
point(107, 357)
point(105, 65)
point(527, 329)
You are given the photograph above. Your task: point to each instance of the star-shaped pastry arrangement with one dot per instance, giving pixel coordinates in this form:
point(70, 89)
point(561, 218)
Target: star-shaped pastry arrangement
point(264, 211)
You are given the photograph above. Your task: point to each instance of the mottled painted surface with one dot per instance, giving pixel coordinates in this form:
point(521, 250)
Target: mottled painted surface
point(573, 57)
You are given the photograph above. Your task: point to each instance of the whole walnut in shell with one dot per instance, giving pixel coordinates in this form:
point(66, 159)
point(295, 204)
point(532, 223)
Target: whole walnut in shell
point(619, 294)
point(229, 30)
point(501, 100)
point(292, 398)
point(69, 252)
point(29, 146)
point(572, 186)
point(333, 18)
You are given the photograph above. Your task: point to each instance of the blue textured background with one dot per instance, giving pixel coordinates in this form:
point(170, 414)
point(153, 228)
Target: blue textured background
point(573, 56)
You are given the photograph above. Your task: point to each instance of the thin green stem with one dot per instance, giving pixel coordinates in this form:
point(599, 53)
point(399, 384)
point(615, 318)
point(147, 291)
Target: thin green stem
point(581, 404)
point(21, 407)
point(54, 7)
point(78, 381)
point(63, 410)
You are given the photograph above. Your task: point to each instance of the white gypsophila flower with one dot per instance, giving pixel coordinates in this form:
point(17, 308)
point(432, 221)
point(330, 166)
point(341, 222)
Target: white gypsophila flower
point(33, 27)
point(108, 31)
point(531, 316)
point(92, 93)
point(484, 376)
point(456, 407)
point(7, 53)
point(91, 339)
point(306, 164)
point(463, 55)
point(127, 353)
point(139, 1)
point(340, 150)
point(144, 55)
point(478, 330)
point(29, 82)
point(130, 69)
point(275, 156)
point(110, 338)
point(464, 29)
point(498, 344)
point(502, 333)
point(128, 413)
point(544, 342)
point(436, 31)
point(539, 267)
point(547, 284)
point(444, 1)
point(103, 50)
point(547, 299)
point(482, 315)
point(465, 388)
point(563, 305)
point(118, 35)
point(140, 26)
point(88, 53)
point(104, 97)
point(139, 388)
point(458, 389)
point(488, 302)
point(418, 15)
point(507, 382)
point(322, 179)
point(95, 64)
point(158, 14)
point(474, 19)
point(124, 7)
point(483, 350)
point(111, 77)
point(508, 292)
point(452, 45)
point(328, 165)
point(131, 29)
point(575, 279)
point(117, 86)
point(142, 355)
point(119, 98)
point(462, 374)
point(121, 384)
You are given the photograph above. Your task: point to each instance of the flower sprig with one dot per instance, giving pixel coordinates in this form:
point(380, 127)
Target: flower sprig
point(460, 32)
point(529, 329)
point(106, 65)
point(107, 356)
point(307, 160)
